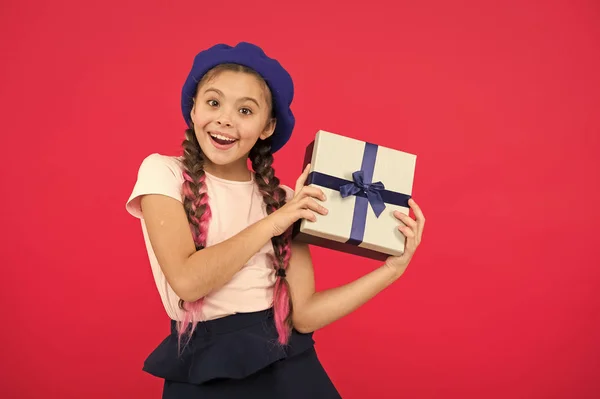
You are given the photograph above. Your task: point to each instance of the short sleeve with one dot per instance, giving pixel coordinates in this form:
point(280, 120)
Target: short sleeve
point(157, 174)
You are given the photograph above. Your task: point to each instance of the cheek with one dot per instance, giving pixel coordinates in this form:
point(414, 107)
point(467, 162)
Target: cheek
point(197, 118)
point(200, 124)
point(251, 129)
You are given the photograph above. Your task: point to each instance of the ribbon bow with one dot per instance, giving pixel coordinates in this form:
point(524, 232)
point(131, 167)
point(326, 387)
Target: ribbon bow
point(371, 190)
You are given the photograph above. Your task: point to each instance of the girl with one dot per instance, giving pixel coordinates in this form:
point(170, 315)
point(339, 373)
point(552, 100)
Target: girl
point(239, 292)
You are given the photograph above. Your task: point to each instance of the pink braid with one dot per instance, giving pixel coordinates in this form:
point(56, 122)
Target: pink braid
point(196, 203)
point(274, 197)
point(281, 295)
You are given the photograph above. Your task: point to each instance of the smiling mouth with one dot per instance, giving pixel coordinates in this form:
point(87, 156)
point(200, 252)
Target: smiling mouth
point(221, 139)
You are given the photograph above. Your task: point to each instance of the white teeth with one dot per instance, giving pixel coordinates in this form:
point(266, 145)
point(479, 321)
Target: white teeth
point(221, 137)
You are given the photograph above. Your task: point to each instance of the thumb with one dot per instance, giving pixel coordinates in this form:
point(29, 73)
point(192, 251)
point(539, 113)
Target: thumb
point(302, 179)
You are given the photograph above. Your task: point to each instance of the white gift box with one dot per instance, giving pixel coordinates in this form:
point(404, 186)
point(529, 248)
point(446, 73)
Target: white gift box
point(364, 184)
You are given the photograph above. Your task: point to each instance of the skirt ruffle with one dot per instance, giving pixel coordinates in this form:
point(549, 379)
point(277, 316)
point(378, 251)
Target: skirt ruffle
point(233, 347)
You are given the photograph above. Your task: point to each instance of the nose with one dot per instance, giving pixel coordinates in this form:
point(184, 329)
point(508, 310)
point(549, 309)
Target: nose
point(223, 123)
point(224, 120)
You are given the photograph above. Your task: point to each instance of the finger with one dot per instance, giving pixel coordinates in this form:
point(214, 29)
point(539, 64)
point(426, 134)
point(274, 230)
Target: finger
point(314, 205)
point(417, 210)
point(407, 220)
point(302, 178)
point(308, 215)
point(410, 244)
point(315, 192)
point(407, 231)
point(413, 226)
point(420, 219)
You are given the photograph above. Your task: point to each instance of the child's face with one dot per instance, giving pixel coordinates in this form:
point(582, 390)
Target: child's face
point(231, 105)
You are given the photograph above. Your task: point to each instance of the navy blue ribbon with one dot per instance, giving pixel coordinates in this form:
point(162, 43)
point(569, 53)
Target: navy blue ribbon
point(371, 190)
point(364, 189)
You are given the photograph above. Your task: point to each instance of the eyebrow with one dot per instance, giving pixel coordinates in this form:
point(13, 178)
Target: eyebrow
point(219, 92)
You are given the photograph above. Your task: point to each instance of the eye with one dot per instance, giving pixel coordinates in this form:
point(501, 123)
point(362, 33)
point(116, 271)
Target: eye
point(246, 111)
point(213, 103)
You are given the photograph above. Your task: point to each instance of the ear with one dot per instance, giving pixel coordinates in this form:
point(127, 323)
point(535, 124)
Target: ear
point(192, 110)
point(269, 129)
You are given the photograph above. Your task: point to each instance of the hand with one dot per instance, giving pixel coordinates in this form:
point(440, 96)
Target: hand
point(303, 205)
point(413, 231)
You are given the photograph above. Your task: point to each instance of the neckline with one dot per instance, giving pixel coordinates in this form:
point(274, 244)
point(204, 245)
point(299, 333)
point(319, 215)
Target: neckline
point(222, 180)
point(226, 181)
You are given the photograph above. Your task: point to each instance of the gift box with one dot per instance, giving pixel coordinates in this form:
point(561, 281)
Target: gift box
point(364, 184)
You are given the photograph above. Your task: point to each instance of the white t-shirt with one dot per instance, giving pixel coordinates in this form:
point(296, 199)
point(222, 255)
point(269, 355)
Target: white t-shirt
point(234, 206)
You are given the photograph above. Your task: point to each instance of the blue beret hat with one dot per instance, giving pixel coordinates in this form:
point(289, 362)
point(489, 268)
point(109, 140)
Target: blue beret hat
point(277, 78)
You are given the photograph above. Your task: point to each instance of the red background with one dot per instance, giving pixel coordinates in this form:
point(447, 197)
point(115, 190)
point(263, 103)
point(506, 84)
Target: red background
point(499, 100)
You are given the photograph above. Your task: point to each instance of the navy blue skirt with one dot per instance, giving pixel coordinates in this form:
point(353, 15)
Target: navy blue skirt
point(239, 356)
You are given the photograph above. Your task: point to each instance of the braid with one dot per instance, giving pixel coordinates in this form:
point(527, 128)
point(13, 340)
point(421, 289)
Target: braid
point(198, 213)
point(194, 189)
point(274, 197)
